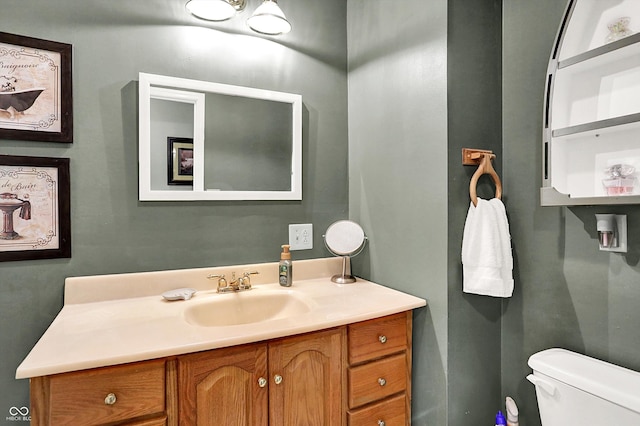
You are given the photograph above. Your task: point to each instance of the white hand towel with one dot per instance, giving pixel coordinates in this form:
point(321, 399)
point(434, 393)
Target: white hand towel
point(487, 262)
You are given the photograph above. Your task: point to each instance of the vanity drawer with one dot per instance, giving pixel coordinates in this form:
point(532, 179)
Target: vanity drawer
point(83, 397)
point(377, 380)
point(390, 412)
point(376, 338)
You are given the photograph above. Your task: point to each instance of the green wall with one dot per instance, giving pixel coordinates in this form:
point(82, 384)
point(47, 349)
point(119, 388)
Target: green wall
point(474, 74)
point(568, 293)
point(424, 82)
point(111, 231)
point(398, 170)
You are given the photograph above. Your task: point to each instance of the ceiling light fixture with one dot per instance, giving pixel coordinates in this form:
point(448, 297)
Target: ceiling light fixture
point(215, 10)
point(269, 19)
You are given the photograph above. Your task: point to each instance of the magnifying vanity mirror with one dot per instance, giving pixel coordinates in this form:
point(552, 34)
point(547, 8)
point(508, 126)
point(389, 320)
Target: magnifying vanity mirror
point(345, 238)
point(201, 140)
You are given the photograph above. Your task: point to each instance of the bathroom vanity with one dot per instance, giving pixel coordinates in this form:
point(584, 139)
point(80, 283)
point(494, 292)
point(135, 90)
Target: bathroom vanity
point(330, 354)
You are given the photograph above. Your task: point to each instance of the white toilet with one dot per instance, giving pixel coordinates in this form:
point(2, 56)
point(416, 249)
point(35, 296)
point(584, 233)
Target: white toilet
point(576, 390)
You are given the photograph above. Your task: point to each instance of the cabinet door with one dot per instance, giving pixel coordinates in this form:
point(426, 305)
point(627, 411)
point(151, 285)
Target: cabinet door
point(224, 387)
point(305, 386)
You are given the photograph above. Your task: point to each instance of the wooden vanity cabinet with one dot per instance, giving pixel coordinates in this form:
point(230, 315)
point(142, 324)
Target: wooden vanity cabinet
point(352, 375)
point(290, 381)
point(379, 372)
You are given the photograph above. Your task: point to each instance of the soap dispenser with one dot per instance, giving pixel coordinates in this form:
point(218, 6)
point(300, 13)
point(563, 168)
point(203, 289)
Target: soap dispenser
point(285, 269)
point(612, 232)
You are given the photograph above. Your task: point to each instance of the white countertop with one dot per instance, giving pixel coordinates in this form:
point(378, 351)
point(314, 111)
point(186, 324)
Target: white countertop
point(100, 326)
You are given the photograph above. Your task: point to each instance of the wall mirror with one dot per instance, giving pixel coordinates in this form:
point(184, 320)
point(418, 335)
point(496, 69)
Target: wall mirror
point(201, 140)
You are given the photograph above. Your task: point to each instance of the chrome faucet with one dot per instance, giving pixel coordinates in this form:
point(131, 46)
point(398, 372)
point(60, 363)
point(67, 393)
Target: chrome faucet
point(240, 284)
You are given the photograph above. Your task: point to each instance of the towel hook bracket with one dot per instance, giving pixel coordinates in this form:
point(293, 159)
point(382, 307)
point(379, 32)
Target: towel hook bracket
point(481, 158)
point(473, 157)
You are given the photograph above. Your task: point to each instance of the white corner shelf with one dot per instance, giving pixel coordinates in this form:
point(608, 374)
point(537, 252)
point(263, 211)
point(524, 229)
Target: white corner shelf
point(592, 105)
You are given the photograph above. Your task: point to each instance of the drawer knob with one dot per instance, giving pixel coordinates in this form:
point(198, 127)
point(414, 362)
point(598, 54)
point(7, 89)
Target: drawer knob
point(262, 382)
point(110, 399)
point(382, 338)
point(381, 423)
point(277, 378)
point(382, 381)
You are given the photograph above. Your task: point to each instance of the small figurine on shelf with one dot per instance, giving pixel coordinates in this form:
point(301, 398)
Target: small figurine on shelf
point(618, 28)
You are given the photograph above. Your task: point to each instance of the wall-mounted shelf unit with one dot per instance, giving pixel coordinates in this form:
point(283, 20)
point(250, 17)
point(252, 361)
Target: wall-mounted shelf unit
point(591, 122)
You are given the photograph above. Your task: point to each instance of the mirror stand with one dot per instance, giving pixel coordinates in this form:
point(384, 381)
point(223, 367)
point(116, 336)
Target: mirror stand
point(344, 278)
point(345, 238)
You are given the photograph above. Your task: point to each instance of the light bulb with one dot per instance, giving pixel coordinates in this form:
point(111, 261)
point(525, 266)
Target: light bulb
point(211, 10)
point(269, 19)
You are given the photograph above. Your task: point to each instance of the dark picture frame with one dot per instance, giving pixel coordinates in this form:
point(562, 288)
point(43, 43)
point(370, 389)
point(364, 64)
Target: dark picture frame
point(179, 161)
point(36, 96)
point(35, 208)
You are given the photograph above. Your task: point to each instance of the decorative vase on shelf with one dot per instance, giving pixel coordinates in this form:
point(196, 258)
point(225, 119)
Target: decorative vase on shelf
point(619, 179)
point(618, 28)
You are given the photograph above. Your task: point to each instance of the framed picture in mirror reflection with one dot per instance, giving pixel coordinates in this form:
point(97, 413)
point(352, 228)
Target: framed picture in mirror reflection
point(179, 161)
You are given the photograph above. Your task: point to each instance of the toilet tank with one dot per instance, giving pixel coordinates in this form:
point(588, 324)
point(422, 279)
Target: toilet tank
point(576, 390)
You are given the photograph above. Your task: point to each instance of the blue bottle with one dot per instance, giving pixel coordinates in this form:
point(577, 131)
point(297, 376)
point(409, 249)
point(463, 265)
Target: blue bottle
point(500, 420)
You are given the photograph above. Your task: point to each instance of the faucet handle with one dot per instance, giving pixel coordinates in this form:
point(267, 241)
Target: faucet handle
point(245, 280)
point(222, 282)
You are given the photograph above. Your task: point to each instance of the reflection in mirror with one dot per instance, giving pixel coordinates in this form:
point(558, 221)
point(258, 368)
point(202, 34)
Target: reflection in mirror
point(251, 149)
point(168, 118)
point(247, 143)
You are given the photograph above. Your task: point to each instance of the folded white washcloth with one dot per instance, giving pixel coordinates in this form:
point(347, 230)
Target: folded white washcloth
point(487, 262)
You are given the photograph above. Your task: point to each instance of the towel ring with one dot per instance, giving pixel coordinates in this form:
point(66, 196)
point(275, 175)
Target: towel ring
point(485, 168)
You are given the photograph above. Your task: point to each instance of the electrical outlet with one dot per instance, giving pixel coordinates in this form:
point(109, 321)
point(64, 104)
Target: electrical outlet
point(301, 236)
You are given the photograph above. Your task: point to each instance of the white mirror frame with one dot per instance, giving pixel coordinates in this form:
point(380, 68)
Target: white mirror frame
point(152, 86)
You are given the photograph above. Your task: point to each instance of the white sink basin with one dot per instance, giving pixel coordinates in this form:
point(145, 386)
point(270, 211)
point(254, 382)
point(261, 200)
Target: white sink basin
point(246, 307)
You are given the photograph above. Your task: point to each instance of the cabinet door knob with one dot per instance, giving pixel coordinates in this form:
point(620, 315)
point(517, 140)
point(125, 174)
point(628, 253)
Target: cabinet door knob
point(110, 399)
point(262, 382)
point(277, 378)
point(382, 381)
point(382, 338)
point(381, 423)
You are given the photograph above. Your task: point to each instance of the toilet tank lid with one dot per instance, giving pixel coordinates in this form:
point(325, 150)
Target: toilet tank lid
point(608, 381)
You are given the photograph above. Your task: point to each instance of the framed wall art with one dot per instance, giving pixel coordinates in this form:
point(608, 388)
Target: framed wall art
point(35, 89)
point(179, 161)
point(35, 208)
